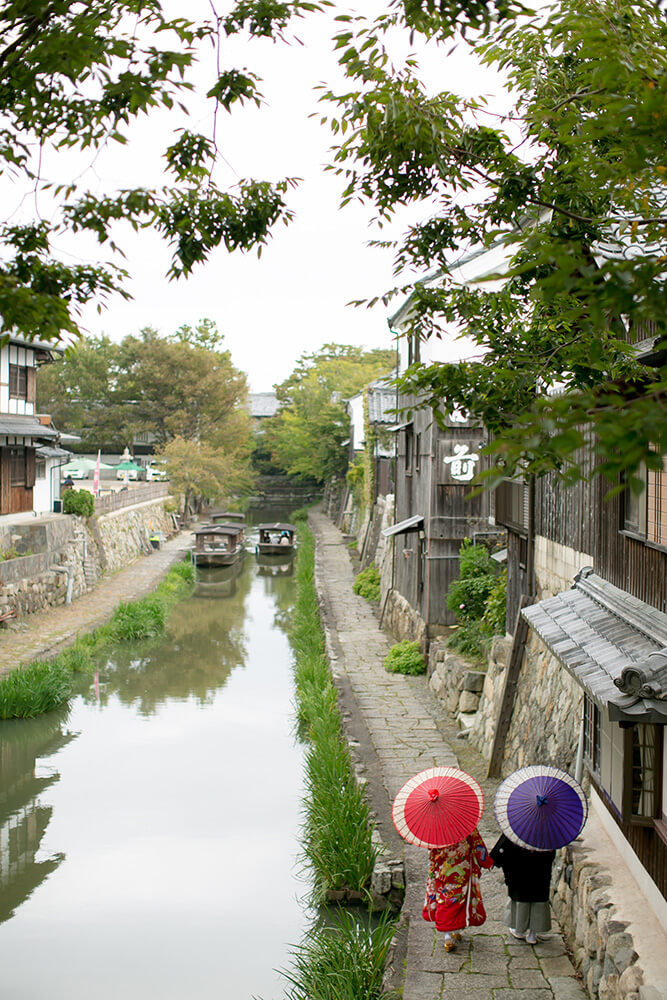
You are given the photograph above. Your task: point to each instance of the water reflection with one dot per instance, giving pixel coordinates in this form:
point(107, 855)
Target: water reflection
point(23, 818)
point(169, 825)
point(205, 640)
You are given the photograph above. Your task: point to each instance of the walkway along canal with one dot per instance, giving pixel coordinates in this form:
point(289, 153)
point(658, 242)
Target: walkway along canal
point(149, 835)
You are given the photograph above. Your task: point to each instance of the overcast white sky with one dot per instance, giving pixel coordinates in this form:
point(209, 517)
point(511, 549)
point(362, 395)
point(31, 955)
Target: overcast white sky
point(293, 299)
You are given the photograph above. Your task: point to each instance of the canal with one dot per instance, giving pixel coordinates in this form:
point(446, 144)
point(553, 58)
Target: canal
point(149, 833)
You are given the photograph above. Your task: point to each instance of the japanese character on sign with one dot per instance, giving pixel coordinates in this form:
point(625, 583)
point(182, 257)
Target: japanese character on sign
point(462, 463)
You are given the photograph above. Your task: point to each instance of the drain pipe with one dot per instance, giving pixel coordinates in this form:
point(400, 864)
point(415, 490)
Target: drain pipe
point(579, 766)
point(70, 580)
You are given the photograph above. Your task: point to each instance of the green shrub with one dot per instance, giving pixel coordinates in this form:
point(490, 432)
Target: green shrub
point(469, 639)
point(79, 502)
point(493, 618)
point(478, 598)
point(139, 619)
point(367, 583)
point(299, 515)
point(467, 596)
point(405, 658)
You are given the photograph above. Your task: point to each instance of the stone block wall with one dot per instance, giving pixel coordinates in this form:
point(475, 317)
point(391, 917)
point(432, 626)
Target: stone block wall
point(78, 551)
point(122, 536)
point(483, 728)
point(401, 619)
point(454, 681)
point(556, 566)
point(602, 948)
point(545, 691)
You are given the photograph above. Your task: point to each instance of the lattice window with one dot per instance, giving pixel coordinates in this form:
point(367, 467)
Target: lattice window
point(592, 734)
point(656, 505)
point(17, 466)
point(645, 772)
point(18, 382)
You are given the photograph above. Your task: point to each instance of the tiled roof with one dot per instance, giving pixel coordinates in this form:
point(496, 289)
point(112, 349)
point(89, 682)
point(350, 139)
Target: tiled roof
point(381, 400)
point(613, 644)
point(20, 426)
point(263, 404)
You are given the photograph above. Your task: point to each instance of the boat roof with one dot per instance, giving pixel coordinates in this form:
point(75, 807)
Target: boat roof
point(219, 529)
point(276, 526)
point(229, 513)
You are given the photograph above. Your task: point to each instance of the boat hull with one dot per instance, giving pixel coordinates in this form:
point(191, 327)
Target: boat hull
point(217, 558)
point(269, 549)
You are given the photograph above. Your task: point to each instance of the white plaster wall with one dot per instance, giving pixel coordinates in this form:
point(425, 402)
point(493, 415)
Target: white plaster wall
point(355, 408)
point(4, 380)
point(556, 566)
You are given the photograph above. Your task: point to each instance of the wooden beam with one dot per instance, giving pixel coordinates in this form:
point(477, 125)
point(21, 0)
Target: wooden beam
point(509, 689)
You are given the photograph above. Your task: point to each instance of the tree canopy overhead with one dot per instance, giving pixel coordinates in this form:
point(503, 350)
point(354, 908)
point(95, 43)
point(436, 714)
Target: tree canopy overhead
point(79, 77)
point(306, 436)
point(572, 179)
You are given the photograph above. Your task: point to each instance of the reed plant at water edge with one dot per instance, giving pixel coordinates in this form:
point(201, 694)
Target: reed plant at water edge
point(343, 961)
point(338, 833)
point(45, 684)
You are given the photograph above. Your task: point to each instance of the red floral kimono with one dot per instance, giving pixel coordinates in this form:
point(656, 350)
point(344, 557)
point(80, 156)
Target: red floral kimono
point(453, 898)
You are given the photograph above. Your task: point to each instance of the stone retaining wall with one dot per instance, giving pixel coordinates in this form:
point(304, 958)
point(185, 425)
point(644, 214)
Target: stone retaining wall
point(77, 553)
point(602, 948)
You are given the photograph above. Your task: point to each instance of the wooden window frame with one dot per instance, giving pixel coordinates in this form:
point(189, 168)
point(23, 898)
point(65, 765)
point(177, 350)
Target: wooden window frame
point(18, 382)
point(409, 449)
point(641, 526)
point(629, 787)
point(591, 747)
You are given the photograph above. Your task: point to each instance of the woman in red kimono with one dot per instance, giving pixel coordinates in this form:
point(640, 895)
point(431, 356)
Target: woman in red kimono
point(453, 898)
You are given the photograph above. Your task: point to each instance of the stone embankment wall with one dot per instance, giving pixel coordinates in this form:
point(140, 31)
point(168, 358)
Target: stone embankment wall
point(602, 948)
point(69, 554)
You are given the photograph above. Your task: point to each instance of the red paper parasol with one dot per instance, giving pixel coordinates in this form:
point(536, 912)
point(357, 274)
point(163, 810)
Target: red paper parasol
point(438, 807)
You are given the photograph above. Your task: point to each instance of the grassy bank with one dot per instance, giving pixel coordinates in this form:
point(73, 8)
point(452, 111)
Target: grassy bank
point(344, 958)
point(45, 684)
point(345, 961)
point(338, 842)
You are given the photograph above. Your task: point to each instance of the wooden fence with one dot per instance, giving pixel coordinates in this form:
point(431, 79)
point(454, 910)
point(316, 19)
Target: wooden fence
point(135, 493)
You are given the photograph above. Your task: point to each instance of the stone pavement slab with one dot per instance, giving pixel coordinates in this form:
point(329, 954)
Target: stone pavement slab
point(408, 731)
point(45, 632)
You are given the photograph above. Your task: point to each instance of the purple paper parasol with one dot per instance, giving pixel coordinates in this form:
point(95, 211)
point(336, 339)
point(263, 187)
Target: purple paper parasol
point(540, 807)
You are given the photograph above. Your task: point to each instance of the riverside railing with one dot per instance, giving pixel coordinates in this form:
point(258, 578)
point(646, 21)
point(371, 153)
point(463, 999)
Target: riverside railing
point(135, 493)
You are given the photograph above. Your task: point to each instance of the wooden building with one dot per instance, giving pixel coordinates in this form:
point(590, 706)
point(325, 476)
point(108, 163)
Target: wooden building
point(437, 506)
point(22, 431)
point(597, 569)
point(435, 510)
point(373, 417)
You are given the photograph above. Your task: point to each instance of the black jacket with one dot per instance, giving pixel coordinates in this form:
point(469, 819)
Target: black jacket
point(527, 873)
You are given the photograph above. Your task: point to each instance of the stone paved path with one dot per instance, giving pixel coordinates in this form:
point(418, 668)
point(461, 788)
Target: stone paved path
point(47, 631)
point(409, 734)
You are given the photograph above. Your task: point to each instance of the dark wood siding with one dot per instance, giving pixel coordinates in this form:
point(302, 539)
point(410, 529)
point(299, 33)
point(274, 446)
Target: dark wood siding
point(425, 568)
point(647, 844)
point(15, 499)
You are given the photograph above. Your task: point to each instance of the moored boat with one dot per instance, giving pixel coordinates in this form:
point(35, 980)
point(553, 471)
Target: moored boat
point(218, 544)
point(228, 517)
point(276, 539)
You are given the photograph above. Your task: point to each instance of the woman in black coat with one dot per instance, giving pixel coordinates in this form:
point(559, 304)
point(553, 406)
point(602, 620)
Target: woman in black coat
point(528, 879)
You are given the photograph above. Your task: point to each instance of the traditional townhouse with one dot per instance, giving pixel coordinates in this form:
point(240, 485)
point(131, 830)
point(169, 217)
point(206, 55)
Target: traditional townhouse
point(436, 504)
point(22, 431)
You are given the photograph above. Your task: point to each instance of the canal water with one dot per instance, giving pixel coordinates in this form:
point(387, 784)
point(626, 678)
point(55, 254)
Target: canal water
point(149, 834)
